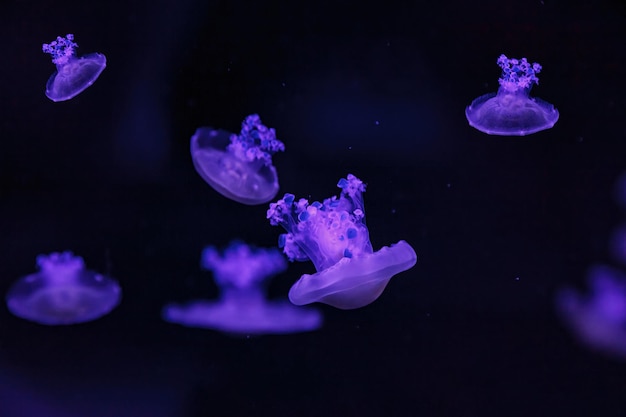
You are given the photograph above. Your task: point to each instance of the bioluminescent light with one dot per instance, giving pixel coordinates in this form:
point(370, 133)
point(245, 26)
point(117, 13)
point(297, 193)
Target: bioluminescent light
point(241, 272)
point(597, 319)
point(334, 237)
point(63, 292)
point(511, 111)
point(238, 166)
point(74, 74)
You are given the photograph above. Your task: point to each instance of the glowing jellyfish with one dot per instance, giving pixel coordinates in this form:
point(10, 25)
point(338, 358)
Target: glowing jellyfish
point(598, 319)
point(334, 237)
point(74, 74)
point(63, 292)
point(238, 166)
point(511, 111)
point(240, 272)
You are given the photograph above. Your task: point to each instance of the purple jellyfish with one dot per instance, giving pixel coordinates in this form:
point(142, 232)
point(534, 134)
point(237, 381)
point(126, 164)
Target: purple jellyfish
point(598, 320)
point(74, 74)
point(238, 166)
point(240, 272)
point(334, 237)
point(511, 111)
point(63, 292)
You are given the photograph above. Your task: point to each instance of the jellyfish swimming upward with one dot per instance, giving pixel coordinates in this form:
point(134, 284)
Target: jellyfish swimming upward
point(333, 235)
point(63, 292)
point(238, 166)
point(511, 111)
point(74, 74)
point(598, 319)
point(241, 271)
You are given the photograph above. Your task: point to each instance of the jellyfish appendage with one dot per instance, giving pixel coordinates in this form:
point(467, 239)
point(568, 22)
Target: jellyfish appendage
point(354, 282)
point(247, 182)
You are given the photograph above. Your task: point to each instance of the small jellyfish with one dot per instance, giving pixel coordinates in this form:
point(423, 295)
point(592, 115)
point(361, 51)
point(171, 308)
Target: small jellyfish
point(240, 272)
point(511, 111)
point(238, 166)
point(598, 319)
point(74, 74)
point(334, 237)
point(63, 292)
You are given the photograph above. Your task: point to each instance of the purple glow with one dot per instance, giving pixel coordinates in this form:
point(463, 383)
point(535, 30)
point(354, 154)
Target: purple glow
point(74, 74)
point(598, 319)
point(511, 111)
point(238, 166)
point(240, 272)
point(334, 237)
point(63, 292)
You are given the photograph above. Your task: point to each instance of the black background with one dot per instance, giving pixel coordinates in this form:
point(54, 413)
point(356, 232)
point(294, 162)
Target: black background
point(377, 89)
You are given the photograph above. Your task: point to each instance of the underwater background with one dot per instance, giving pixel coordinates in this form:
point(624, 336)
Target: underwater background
point(376, 89)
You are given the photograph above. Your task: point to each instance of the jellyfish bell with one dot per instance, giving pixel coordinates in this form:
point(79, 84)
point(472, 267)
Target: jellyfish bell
point(74, 77)
point(74, 74)
point(242, 181)
point(238, 315)
point(354, 282)
point(510, 114)
point(511, 111)
point(238, 166)
point(63, 292)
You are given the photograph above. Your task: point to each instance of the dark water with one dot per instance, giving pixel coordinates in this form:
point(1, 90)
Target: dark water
point(376, 89)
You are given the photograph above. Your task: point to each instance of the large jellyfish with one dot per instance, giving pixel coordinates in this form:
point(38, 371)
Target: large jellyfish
point(63, 292)
point(598, 319)
point(334, 237)
point(74, 74)
point(240, 272)
point(238, 166)
point(511, 111)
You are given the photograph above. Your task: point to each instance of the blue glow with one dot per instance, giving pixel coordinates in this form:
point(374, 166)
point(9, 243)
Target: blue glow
point(74, 74)
point(334, 237)
point(511, 111)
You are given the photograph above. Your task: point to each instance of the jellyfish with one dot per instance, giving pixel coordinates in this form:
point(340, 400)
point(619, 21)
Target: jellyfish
point(598, 319)
point(74, 74)
point(63, 292)
point(511, 111)
point(240, 272)
point(334, 237)
point(238, 166)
